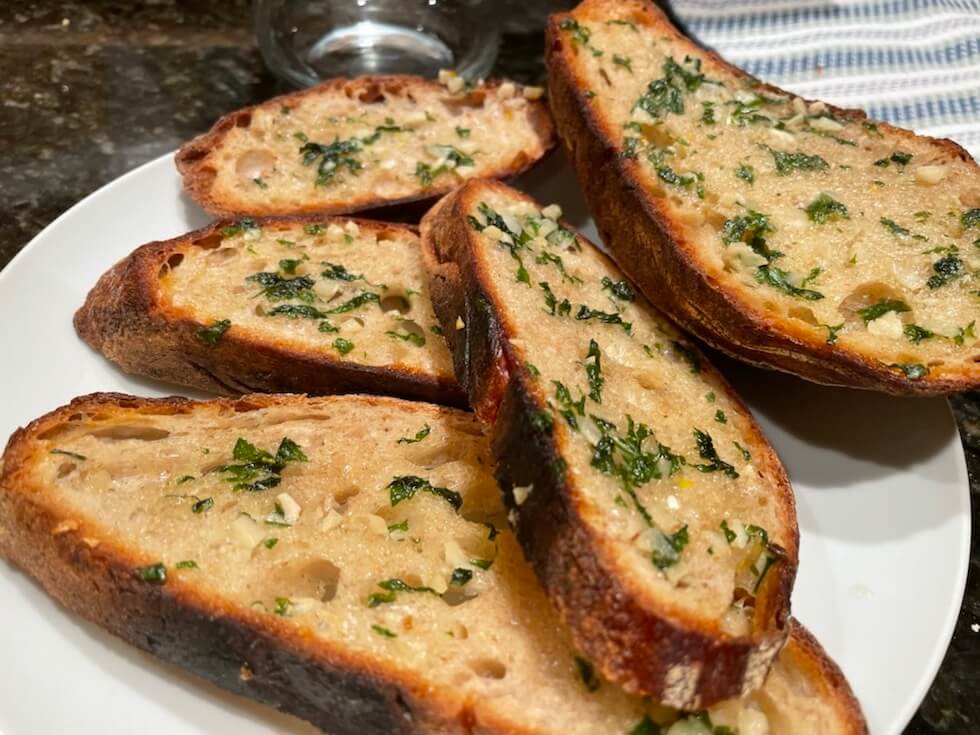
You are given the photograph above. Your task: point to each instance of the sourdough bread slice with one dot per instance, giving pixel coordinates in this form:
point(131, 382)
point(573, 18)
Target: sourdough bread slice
point(257, 543)
point(657, 517)
point(288, 304)
point(353, 144)
point(787, 232)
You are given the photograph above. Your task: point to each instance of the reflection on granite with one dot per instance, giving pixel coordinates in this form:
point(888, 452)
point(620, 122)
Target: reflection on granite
point(93, 89)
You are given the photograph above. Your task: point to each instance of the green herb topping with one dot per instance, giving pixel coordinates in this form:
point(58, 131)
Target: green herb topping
point(707, 451)
point(257, 469)
point(203, 505)
point(666, 95)
point(826, 209)
point(419, 436)
point(155, 574)
point(405, 487)
point(946, 269)
point(786, 163)
point(585, 313)
point(391, 589)
point(620, 289)
point(73, 455)
point(879, 309)
point(212, 335)
point(593, 370)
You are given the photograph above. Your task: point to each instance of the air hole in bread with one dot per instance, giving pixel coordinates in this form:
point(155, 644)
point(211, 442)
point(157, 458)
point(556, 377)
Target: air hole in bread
point(395, 302)
point(647, 380)
point(432, 457)
point(409, 327)
point(456, 595)
point(123, 432)
point(804, 314)
point(220, 256)
point(66, 468)
point(254, 163)
point(341, 497)
point(174, 260)
point(210, 242)
point(259, 310)
point(317, 579)
point(244, 120)
point(488, 668)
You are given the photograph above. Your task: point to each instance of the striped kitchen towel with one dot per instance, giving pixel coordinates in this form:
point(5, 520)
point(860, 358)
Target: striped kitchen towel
point(914, 63)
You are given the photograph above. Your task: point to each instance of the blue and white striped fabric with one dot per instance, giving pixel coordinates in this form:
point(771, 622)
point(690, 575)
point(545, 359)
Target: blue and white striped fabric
point(914, 63)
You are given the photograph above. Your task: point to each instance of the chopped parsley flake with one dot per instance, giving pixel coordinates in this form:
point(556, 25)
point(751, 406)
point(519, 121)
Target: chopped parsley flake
point(786, 163)
point(707, 451)
point(405, 487)
point(256, 469)
point(879, 309)
point(593, 370)
point(155, 574)
point(73, 455)
point(212, 335)
point(826, 209)
point(391, 589)
point(419, 436)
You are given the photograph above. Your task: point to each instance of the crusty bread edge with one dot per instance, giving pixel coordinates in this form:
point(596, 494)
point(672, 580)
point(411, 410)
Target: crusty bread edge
point(125, 319)
point(637, 642)
point(192, 158)
point(667, 266)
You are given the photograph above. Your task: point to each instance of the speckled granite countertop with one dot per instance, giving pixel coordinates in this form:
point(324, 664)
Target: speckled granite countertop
point(93, 89)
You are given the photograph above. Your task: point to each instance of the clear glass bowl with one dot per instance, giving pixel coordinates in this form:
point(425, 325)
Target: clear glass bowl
point(307, 41)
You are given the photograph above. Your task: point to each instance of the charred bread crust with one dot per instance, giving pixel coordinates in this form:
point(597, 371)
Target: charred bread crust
point(805, 652)
point(198, 175)
point(653, 251)
point(258, 656)
point(123, 319)
point(645, 647)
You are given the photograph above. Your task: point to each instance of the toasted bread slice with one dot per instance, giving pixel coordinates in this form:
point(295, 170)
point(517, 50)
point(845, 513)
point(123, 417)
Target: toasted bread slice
point(348, 145)
point(288, 304)
point(786, 232)
point(284, 589)
point(655, 513)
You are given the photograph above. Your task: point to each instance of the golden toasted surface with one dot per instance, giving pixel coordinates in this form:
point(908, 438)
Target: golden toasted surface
point(368, 528)
point(351, 144)
point(353, 292)
point(668, 467)
point(854, 235)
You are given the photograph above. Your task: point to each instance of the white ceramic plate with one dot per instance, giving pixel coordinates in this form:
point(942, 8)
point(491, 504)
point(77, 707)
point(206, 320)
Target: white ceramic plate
point(881, 489)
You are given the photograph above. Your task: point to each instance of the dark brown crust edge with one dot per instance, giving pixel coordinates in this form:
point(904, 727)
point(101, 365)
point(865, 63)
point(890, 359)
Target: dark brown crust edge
point(805, 652)
point(633, 642)
point(198, 175)
point(655, 254)
point(123, 319)
point(254, 655)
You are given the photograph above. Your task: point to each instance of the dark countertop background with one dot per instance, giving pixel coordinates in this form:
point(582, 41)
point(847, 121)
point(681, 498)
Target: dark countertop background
point(92, 89)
